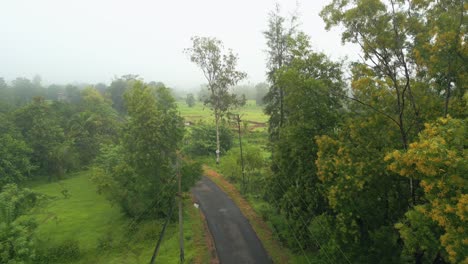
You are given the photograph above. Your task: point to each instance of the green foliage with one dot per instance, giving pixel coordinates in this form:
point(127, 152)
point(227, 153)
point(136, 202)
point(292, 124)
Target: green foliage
point(220, 71)
point(278, 36)
point(14, 202)
point(190, 100)
point(16, 242)
point(15, 165)
point(191, 173)
point(136, 173)
point(16, 232)
point(117, 90)
point(439, 30)
point(311, 106)
point(253, 163)
point(94, 123)
point(42, 132)
point(66, 252)
point(201, 139)
point(24, 90)
point(438, 160)
point(420, 235)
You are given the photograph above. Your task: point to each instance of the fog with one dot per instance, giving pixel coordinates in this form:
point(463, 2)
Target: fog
point(94, 41)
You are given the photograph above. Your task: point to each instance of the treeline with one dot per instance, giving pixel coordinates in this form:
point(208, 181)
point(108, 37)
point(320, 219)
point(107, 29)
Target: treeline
point(373, 170)
point(48, 138)
point(255, 92)
point(127, 134)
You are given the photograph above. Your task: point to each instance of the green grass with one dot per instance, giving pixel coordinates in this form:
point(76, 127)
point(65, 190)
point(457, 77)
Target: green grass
point(83, 216)
point(250, 112)
point(89, 218)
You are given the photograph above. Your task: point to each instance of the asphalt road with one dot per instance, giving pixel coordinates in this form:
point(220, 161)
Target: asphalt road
point(234, 238)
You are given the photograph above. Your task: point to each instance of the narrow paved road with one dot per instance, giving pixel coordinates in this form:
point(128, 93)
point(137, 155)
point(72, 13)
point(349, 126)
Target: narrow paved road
point(235, 240)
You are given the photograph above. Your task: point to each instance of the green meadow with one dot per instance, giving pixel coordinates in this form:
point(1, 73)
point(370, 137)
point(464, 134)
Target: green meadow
point(249, 112)
point(73, 213)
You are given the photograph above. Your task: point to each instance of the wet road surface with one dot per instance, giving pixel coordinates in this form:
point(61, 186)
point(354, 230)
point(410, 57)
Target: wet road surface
point(235, 240)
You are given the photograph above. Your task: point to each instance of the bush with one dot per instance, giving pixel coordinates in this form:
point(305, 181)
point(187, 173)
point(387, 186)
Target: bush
point(202, 140)
point(66, 252)
point(106, 242)
point(191, 173)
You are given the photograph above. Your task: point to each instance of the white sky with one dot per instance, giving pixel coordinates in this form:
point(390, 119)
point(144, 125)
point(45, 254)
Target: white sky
point(92, 41)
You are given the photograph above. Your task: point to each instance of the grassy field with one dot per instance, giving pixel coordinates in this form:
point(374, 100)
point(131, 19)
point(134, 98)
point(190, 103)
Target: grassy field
point(101, 230)
point(249, 112)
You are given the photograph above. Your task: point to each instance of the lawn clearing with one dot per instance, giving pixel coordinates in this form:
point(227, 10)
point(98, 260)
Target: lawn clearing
point(76, 212)
point(250, 112)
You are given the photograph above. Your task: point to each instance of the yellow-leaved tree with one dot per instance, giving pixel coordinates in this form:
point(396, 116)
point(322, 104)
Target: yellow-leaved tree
point(438, 160)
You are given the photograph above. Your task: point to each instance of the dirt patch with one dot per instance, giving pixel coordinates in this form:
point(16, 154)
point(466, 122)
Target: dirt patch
point(263, 231)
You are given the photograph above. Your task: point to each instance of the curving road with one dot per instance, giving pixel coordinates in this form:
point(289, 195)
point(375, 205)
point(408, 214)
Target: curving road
point(234, 238)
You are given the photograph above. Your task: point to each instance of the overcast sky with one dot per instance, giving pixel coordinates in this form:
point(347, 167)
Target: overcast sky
point(92, 41)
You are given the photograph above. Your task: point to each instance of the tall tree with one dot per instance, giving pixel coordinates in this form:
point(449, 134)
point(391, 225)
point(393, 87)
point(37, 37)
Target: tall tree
point(117, 90)
point(190, 100)
point(135, 174)
point(439, 29)
point(40, 128)
point(278, 37)
point(220, 71)
point(438, 159)
point(93, 123)
point(312, 84)
point(380, 29)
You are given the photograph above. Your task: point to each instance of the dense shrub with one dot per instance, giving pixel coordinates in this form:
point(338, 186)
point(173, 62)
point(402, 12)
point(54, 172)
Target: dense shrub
point(66, 252)
point(16, 230)
point(202, 140)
